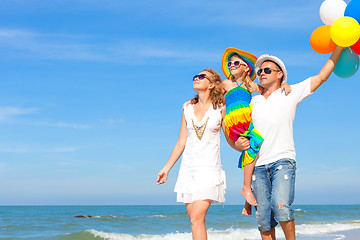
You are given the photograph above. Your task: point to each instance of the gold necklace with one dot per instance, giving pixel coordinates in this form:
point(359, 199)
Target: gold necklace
point(199, 130)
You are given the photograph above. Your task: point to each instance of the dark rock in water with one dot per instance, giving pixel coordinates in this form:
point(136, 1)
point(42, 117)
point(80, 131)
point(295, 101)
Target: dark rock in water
point(83, 216)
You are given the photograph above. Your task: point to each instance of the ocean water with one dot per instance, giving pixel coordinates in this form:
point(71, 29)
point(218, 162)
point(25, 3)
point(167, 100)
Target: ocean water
point(166, 223)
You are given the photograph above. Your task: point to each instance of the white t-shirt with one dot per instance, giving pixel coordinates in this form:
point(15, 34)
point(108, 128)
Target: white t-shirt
point(274, 118)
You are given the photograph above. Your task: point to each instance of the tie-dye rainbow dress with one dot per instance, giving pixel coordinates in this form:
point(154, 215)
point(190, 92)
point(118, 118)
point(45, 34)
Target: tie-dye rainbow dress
point(238, 122)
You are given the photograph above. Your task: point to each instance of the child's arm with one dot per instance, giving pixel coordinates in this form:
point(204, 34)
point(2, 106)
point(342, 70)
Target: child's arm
point(175, 154)
point(256, 87)
point(259, 89)
point(327, 69)
point(224, 86)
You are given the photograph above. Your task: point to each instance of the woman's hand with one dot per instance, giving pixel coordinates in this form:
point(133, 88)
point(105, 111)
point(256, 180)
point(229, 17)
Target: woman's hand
point(162, 177)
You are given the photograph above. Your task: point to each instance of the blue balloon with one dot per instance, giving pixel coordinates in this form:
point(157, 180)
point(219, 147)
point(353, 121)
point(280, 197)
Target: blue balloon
point(347, 64)
point(353, 10)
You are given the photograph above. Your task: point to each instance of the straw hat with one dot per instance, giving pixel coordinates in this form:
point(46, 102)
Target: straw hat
point(249, 59)
point(267, 57)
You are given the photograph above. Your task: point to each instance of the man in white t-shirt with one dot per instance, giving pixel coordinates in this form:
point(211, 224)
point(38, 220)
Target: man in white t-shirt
point(273, 180)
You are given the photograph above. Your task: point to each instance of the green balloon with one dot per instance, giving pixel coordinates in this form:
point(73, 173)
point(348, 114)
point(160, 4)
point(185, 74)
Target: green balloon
point(348, 64)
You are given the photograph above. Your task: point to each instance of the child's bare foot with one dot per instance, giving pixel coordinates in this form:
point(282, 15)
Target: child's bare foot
point(247, 209)
point(249, 197)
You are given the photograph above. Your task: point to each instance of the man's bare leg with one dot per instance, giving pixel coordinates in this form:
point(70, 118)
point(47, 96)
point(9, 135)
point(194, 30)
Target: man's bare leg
point(289, 229)
point(268, 235)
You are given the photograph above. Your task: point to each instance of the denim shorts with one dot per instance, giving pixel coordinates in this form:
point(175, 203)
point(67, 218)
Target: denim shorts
point(273, 186)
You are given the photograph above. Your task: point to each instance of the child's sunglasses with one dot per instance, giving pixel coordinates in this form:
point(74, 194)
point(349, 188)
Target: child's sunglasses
point(235, 63)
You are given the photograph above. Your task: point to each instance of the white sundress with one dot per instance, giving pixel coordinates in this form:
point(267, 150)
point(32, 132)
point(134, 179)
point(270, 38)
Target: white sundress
point(201, 176)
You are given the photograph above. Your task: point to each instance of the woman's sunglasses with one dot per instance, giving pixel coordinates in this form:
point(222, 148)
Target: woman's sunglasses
point(200, 77)
point(235, 63)
point(266, 70)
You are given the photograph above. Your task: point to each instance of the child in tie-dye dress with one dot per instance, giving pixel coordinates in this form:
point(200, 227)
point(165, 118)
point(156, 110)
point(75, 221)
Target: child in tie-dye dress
point(238, 67)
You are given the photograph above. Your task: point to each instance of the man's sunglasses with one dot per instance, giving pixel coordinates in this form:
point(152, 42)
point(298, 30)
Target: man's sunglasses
point(266, 70)
point(200, 77)
point(235, 63)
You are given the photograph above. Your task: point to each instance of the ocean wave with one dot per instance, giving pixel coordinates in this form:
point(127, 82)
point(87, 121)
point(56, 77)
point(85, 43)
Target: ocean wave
point(327, 230)
point(158, 216)
point(90, 216)
point(299, 210)
point(229, 234)
point(12, 227)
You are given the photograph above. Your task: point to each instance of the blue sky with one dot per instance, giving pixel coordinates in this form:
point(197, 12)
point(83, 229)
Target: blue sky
point(91, 94)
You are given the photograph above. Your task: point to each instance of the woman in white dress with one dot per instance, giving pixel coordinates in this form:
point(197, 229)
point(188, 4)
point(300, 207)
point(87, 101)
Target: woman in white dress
point(201, 179)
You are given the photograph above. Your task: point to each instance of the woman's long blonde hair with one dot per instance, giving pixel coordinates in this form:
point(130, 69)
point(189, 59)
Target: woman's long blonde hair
point(216, 93)
point(247, 79)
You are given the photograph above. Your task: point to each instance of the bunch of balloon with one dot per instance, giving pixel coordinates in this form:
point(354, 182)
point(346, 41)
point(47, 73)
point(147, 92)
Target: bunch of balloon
point(341, 28)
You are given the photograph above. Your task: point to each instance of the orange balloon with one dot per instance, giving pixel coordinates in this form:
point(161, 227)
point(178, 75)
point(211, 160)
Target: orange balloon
point(320, 40)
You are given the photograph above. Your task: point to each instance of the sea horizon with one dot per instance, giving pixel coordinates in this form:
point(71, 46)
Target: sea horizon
point(179, 204)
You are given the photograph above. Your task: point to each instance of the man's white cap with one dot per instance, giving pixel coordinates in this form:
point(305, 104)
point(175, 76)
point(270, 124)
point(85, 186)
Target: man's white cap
point(267, 57)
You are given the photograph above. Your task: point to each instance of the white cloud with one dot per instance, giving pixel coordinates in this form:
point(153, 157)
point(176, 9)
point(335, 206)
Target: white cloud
point(49, 46)
point(175, 53)
point(21, 43)
point(270, 16)
point(76, 47)
point(302, 58)
point(57, 6)
point(10, 115)
point(3, 167)
point(35, 149)
point(61, 125)
point(115, 121)
point(37, 45)
point(14, 33)
point(7, 113)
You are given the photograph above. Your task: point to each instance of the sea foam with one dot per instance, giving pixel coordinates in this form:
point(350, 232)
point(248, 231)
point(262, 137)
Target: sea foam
point(329, 230)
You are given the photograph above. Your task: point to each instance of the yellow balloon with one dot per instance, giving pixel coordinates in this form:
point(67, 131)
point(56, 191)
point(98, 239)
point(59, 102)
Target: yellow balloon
point(345, 31)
